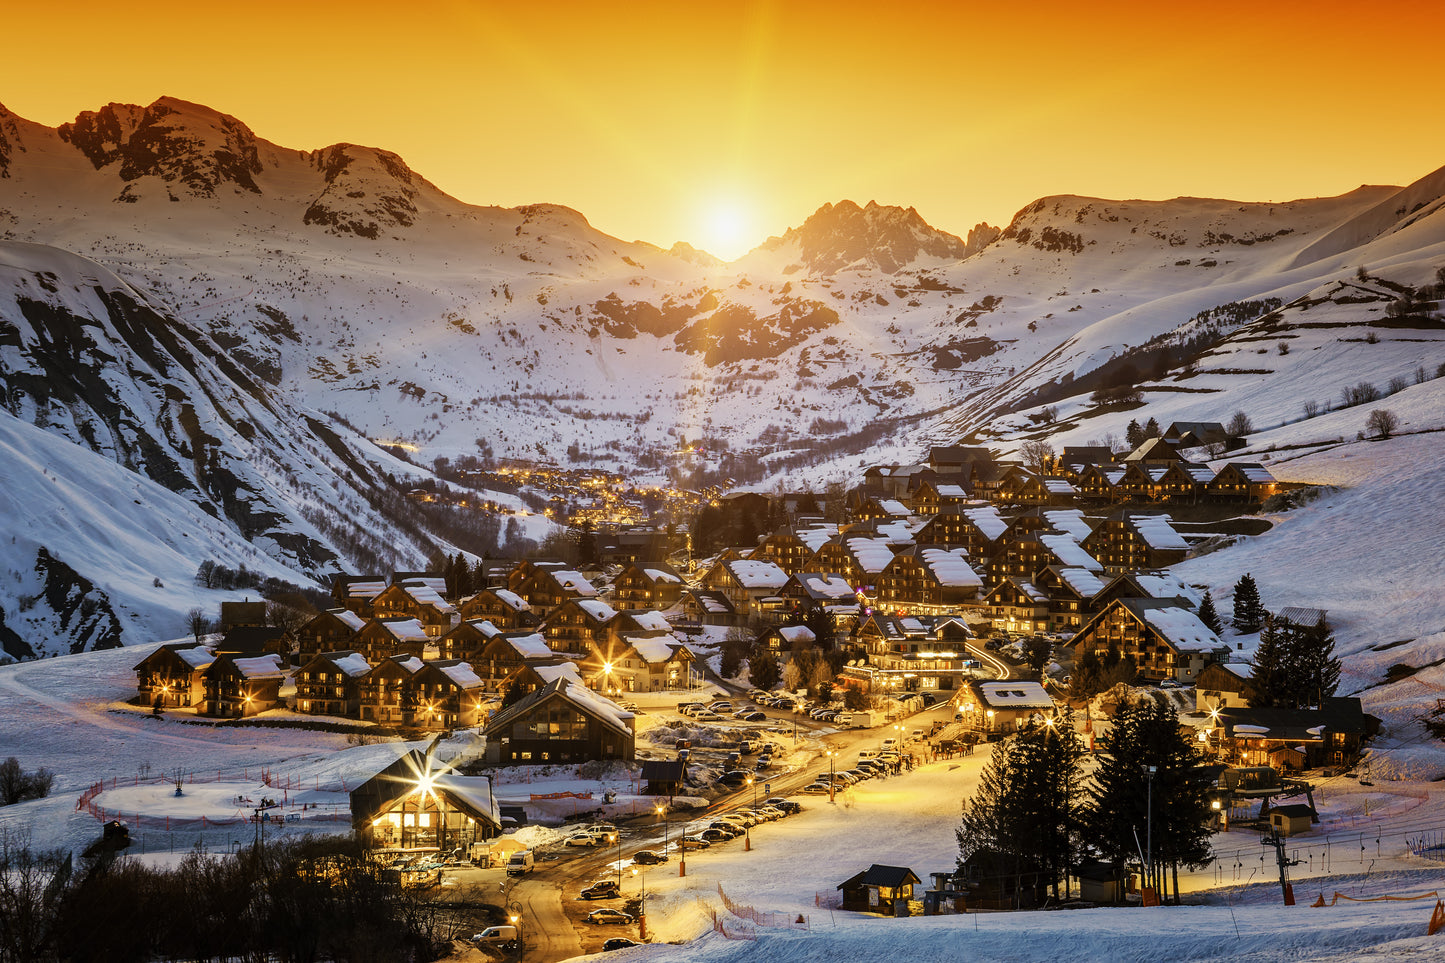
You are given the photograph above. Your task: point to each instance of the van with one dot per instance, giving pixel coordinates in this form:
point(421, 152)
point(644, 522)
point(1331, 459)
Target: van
point(520, 863)
point(504, 936)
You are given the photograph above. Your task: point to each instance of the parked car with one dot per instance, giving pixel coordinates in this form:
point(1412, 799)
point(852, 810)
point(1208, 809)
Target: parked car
point(648, 857)
point(888, 744)
point(609, 915)
point(586, 839)
point(754, 716)
point(735, 775)
point(602, 889)
point(715, 835)
point(619, 943)
point(815, 789)
point(786, 805)
point(693, 842)
point(707, 715)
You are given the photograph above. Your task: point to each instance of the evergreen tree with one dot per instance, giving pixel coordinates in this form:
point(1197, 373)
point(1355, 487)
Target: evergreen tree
point(1027, 808)
point(1248, 611)
point(1151, 429)
point(824, 626)
point(1268, 683)
point(1319, 668)
point(1210, 616)
point(1118, 822)
point(1294, 666)
point(763, 668)
point(1134, 435)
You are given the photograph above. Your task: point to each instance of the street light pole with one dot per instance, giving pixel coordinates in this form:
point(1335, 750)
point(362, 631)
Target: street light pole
point(618, 837)
point(516, 918)
point(832, 782)
point(1149, 772)
point(748, 829)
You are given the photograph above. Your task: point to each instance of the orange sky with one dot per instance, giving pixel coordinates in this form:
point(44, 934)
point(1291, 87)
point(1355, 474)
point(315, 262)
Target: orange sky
point(721, 124)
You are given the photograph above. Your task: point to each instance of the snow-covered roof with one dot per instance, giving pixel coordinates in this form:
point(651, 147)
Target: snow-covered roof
point(951, 491)
point(195, 656)
point(1070, 521)
point(951, 568)
point(598, 609)
point(658, 575)
point(1059, 486)
point(898, 531)
point(460, 673)
point(816, 537)
point(793, 634)
point(405, 630)
point(574, 582)
point(558, 670)
point(873, 554)
point(830, 586)
point(1163, 585)
point(1252, 472)
point(1084, 582)
point(1070, 553)
point(353, 664)
point(1182, 629)
point(987, 520)
point(259, 667)
point(1157, 532)
point(892, 506)
point(757, 574)
point(533, 646)
point(485, 627)
point(424, 594)
point(1014, 694)
point(431, 583)
point(653, 649)
point(368, 589)
point(652, 621)
point(512, 600)
point(475, 792)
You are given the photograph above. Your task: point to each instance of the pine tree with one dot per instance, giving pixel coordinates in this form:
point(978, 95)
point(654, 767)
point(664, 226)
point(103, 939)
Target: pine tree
point(1210, 616)
point(1319, 674)
point(1125, 803)
point(1268, 682)
point(763, 668)
point(1134, 435)
point(1151, 429)
point(1294, 666)
point(1248, 611)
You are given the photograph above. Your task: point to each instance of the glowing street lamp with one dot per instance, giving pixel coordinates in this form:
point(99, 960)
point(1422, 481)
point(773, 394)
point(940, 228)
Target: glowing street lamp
point(831, 773)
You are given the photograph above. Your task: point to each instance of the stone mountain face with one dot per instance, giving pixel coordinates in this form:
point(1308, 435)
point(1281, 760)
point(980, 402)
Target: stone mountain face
point(886, 239)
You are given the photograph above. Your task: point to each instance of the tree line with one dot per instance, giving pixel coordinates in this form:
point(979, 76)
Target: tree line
point(309, 900)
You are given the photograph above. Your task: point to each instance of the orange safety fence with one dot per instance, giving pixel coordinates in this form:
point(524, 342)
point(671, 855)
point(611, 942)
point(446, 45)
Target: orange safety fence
point(1374, 899)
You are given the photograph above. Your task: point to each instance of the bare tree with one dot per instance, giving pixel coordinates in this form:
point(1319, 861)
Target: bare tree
point(197, 624)
point(1239, 425)
point(1038, 456)
point(1382, 423)
point(1312, 408)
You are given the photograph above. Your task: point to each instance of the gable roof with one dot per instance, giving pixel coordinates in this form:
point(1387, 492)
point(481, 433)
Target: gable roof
point(893, 877)
point(566, 688)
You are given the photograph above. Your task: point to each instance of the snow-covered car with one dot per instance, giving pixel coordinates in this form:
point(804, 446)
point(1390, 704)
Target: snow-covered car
point(815, 789)
point(608, 915)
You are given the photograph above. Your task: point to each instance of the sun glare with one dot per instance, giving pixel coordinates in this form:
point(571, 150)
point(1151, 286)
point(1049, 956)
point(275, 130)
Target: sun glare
point(727, 229)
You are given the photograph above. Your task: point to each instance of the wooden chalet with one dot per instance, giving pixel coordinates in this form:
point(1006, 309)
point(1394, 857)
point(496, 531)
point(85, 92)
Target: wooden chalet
point(646, 659)
point(1240, 481)
point(173, 675)
point(329, 684)
point(254, 640)
point(413, 806)
point(975, 528)
point(237, 614)
point(880, 889)
point(502, 607)
point(1331, 735)
point(382, 637)
point(448, 695)
point(549, 588)
point(1070, 591)
point(663, 777)
point(783, 640)
point(387, 697)
point(881, 509)
point(499, 658)
point(418, 600)
point(1196, 434)
point(858, 558)
point(750, 585)
point(929, 580)
point(1222, 685)
point(708, 607)
point(1165, 639)
point(1154, 451)
point(786, 549)
point(526, 570)
point(1185, 483)
point(1140, 482)
point(467, 640)
point(1130, 541)
point(1148, 585)
point(327, 631)
point(561, 722)
point(931, 496)
point(1017, 605)
point(913, 653)
point(1000, 707)
point(646, 587)
point(355, 592)
point(1100, 483)
point(808, 592)
point(957, 459)
point(576, 625)
point(240, 686)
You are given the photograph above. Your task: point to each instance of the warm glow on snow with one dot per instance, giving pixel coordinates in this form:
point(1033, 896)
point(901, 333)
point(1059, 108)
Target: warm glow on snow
point(728, 230)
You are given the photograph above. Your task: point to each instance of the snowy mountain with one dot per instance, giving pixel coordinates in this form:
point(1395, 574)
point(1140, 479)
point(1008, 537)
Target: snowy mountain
point(214, 311)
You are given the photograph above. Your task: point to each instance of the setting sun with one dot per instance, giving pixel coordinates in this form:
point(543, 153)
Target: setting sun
point(727, 229)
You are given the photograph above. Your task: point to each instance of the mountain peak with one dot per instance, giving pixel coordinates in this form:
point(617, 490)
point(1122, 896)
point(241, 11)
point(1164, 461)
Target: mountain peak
point(880, 236)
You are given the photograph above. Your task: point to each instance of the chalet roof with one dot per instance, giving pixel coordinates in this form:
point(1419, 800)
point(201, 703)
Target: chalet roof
point(193, 654)
point(1012, 694)
point(1303, 617)
point(892, 506)
point(661, 574)
point(563, 687)
point(987, 520)
point(259, 667)
point(1070, 553)
point(793, 634)
point(824, 586)
point(403, 628)
point(950, 567)
point(552, 671)
point(359, 586)
point(1024, 588)
point(1154, 449)
point(1058, 486)
point(410, 664)
point(352, 663)
point(1157, 533)
point(653, 649)
point(663, 770)
point(424, 594)
point(1087, 454)
point(957, 455)
point(713, 602)
point(757, 574)
point(816, 536)
point(1337, 714)
point(597, 609)
point(1253, 472)
point(1175, 624)
point(954, 492)
point(573, 581)
point(1202, 429)
point(1070, 521)
point(892, 877)
point(483, 626)
point(1082, 581)
point(459, 672)
point(1200, 473)
point(650, 621)
point(871, 554)
point(432, 580)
